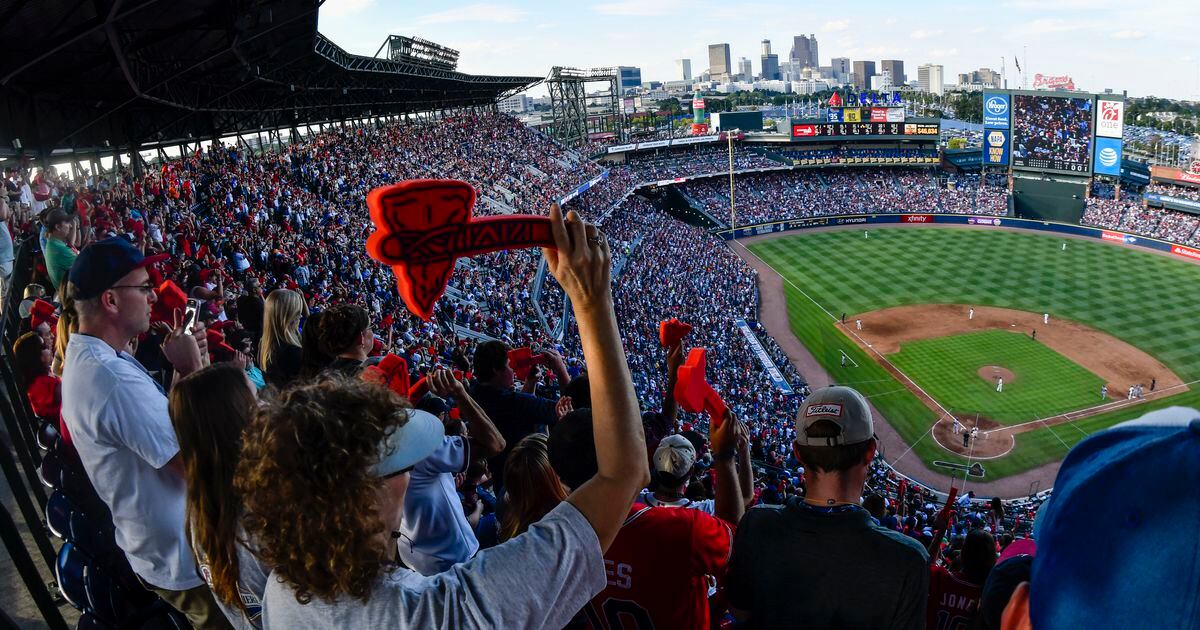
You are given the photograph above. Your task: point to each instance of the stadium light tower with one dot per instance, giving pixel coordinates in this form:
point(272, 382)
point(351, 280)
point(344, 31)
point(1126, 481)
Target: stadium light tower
point(732, 207)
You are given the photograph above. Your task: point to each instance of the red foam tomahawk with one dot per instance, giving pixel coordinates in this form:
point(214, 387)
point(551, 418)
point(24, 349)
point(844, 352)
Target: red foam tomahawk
point(522, 360)
point(672, 331)
point(423, 225)
point(693, 392)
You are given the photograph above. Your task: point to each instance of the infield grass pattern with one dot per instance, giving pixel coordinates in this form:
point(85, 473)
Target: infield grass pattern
point(1145, 299)
point(1046, 383)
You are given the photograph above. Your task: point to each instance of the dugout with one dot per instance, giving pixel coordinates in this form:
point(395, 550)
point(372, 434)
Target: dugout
point(1049, 198)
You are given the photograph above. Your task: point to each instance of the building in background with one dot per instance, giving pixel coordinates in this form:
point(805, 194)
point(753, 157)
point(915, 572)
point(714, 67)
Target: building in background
point(745, 70)
point(882, 82)
point(896, 68)
point(804, 51)
point(719, 66)
point(841, 69)
point(517, 104)
point(683, 69)
point(863, 71)
point(630, 77)
point(983, 78)
point(770, 63)
point(931, 78)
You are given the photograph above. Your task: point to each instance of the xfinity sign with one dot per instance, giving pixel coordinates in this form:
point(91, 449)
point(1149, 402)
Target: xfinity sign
point(995, 110)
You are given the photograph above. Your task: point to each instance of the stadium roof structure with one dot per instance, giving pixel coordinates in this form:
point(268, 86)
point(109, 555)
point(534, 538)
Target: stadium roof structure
point(94, 75)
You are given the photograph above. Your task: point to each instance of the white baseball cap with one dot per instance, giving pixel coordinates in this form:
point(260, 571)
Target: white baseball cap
point(675, 456)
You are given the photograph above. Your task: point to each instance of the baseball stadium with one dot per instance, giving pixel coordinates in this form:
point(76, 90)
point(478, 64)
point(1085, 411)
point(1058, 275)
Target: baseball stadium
point(295, 335)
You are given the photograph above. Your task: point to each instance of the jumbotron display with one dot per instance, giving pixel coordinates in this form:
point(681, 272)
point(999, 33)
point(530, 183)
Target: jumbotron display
point(1052, 132)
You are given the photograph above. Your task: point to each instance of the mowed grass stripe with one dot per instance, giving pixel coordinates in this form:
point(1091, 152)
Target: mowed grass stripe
point(1046, 382)
point(1139, 297)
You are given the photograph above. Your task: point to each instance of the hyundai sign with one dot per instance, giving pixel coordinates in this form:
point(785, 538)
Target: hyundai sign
point(995, 147)
point(996, 107)
point(1108, 157)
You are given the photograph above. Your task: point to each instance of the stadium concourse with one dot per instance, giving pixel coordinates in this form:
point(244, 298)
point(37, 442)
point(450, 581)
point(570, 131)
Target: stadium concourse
point(271, 247)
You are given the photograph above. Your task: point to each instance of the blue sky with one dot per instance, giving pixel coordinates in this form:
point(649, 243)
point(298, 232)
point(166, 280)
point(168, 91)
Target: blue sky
point(1144, 47)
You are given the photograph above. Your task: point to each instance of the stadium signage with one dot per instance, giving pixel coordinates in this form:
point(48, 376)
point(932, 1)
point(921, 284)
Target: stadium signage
point(803, 131)
point(917, 218)
point(1186, 252)
point(984, 221)
point(995, 147)
point(693, 140)
point(850, 220)
point(768, 364)
point(895, 114)
point(1112, 236)
point(1110, 118)
point(620, 148)
point(1175, 174)
point(653, 144)
point(698, 103)
point(879, 114)
point(1194, 206)
point(995, 110)
point(803, 223)
point(1108, 157)
point(1047, 82)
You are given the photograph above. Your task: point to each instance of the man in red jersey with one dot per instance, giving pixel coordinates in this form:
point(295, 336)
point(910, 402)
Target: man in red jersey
point(954, 595)
point(661, 564)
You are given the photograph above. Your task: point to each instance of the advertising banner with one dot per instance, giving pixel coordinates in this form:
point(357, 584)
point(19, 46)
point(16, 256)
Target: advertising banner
point(768, 364)
point(852, 114)
point(1110, 118)
point(1112, 236)
point(1047, 82)
point(621, 148)
point(995, 147)
point(1186, 252)
point(879, 114)
point(653, 144)
point(1194, 206)
point(916, 218)
point(895, 114)
point(834, 114)
point(698, 103)
point(1192, 175)
point(804, 131)
point(984, 221)
point(693, 140)
point(1108, 157)
point(996, 109)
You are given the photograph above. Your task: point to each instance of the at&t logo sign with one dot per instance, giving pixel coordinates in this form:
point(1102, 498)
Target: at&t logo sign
point(1108, 157)
point(997, 106)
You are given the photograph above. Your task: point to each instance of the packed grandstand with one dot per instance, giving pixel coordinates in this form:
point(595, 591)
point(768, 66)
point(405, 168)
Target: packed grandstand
point(326, 458)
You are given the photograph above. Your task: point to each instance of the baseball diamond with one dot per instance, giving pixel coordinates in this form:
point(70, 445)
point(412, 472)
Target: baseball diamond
point(1117, 316)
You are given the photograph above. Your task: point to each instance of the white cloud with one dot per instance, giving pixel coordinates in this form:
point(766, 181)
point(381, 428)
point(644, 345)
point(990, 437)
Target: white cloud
point(481, 12)
point(1053, 25)
point(943, 52)
point(978, 29)
point(343, 8)
point(927, 34)
point(635, 8)
point(1129, 34)
point(833, 26)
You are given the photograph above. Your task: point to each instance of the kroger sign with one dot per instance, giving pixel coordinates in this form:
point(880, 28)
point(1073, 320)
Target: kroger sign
point(995, 110)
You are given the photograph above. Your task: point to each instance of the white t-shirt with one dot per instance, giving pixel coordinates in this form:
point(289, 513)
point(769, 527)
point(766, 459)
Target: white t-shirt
point(252, 580)
point(436, 534)
point(119, 423)
point(539, 579)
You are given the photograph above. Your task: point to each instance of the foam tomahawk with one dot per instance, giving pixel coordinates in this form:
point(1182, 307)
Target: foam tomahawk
point(423, 225)
point(692, 391)
point(672, 331)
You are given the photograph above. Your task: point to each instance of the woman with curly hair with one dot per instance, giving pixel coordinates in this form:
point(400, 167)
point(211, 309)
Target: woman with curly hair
point(209, 410)
point(325, 468)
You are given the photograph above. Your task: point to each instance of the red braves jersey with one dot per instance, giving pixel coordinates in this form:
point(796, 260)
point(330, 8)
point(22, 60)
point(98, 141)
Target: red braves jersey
point(657, 569)
point(953, 601)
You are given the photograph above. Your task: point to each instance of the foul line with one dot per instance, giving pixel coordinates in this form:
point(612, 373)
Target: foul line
point(1080, 414)
point(1051, 430)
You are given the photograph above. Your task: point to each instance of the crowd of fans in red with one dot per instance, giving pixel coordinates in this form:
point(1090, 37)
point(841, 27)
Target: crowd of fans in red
point(383, 470)
point(1131, 214)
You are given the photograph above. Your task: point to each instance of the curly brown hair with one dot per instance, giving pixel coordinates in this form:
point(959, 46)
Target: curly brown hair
point(340, 327)
point(311, 500)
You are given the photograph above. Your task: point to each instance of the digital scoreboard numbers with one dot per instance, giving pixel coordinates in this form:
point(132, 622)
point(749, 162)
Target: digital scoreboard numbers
point(851, 129)
point(1053, 133)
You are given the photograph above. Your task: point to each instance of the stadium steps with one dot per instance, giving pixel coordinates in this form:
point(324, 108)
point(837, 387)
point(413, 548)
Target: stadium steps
point(496, 206)
point(824, 182)
point(539, 280)
point(774, 156)
point(537, 172)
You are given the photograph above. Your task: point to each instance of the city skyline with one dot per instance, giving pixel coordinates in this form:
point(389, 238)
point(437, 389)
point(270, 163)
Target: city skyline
point(1147, 50)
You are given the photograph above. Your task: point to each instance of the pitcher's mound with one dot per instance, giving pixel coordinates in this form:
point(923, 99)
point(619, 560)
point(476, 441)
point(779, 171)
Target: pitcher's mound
point(990, 373)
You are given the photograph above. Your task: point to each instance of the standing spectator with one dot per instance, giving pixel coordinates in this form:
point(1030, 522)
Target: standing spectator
point(435, 532)
point(345, 334)
point(6, 250)
point(312, 359)
point(251, 306)
point(821, 561)
point(663, 558)
point(210, 409)
point(118, 419)
point(57, 249)
point(954, 595)
point(279, 350)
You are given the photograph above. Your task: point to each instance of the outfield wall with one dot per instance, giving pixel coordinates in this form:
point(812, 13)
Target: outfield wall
point(789, 225)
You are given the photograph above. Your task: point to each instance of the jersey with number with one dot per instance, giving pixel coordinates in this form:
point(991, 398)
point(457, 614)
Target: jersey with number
point(953, 601)
point(658, 570)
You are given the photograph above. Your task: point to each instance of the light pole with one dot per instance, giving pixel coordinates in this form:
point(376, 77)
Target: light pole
point(732, 210)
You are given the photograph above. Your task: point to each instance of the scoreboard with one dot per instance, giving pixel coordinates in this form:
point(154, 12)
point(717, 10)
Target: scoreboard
point(851, 129)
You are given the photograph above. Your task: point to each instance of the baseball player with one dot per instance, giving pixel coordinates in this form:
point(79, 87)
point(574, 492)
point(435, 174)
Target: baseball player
point(1153, 383)
point(1104, 392)
point(999, 383)
point(971, 313)
point(1045, 318)
point(858, 324)
point(975, 432)
point(956, 427)
point(1130, 396)
point(843, 359)
point(1064, 247)
point(966, 438)
point(1035, 334)
point(866, 234)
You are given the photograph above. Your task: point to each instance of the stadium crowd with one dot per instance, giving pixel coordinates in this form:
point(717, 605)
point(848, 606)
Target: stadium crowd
point(1131, 214)
point(266, 463)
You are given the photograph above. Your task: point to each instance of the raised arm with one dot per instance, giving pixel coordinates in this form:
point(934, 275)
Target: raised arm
point(670, 408)
point(582, 265)
point(729, 504)
point(484, 436)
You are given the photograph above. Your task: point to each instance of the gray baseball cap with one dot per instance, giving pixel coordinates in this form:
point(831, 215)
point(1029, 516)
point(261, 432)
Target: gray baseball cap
point(842, 406)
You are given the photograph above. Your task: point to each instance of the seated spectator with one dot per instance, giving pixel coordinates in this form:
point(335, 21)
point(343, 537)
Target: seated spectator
point(7, 255)
point(435, 534)
point(210, 409)
point(251, 306)
point(533, 489)
point(663, 559)
point(345, 334)
point(44, 390)
point(58, 249)
point(954, 595)
point(324, 478)
point(279, 351)
point(312, 359)
point(1116, 544)
point(516, 414)
point(118, 419)
point(822, 561)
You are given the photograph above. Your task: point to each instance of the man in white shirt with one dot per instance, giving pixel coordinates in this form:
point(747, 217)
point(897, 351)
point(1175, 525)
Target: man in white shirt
point(118, 418)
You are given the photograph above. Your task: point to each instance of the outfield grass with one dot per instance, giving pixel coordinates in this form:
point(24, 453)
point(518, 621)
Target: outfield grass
point(1046, 383)
point(1142, 298)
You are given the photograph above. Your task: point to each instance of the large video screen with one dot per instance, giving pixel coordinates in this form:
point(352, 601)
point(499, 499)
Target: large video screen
point(1052, 132)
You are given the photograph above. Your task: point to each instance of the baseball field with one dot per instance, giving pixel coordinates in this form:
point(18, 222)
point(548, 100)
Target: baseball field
point(935, 316)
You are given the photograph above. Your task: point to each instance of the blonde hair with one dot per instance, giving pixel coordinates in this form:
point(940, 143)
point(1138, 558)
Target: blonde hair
point(283, 308)
point(531, 486)
point(68, 322)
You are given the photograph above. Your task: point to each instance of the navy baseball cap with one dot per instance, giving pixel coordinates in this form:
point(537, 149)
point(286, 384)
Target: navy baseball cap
point(1117, 545)
point(101, 264)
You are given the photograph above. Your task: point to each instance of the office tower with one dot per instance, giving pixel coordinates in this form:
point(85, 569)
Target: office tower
point(719, 66)
point(683, 69)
